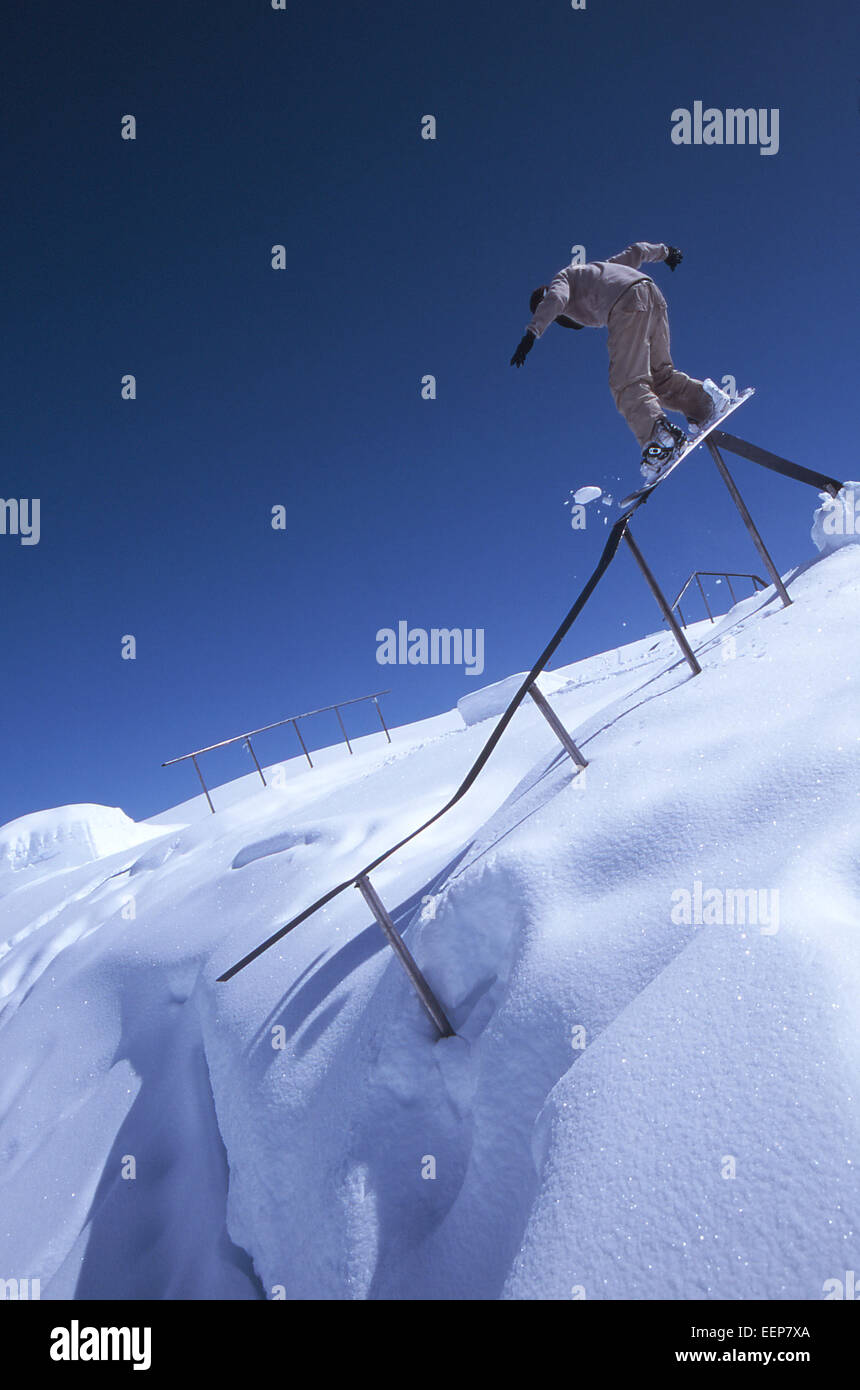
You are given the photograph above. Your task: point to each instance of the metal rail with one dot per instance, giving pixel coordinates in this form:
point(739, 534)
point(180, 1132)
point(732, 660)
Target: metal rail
point(279, 723)
point(620, 531)
point(755, 454)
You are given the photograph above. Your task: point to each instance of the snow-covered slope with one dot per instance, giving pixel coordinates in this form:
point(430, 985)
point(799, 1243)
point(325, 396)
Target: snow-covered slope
point(647, 1096)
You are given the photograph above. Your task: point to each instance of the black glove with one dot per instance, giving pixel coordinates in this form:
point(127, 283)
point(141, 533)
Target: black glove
point(674, 257)
point(524, 347)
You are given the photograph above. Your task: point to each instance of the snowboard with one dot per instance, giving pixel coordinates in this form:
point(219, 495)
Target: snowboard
point(694, 443)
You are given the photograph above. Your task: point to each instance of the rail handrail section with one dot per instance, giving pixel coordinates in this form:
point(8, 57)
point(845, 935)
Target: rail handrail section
point(278, 723)
point(727, 575)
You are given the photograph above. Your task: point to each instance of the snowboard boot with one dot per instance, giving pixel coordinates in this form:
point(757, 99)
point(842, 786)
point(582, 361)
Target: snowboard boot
point(665, 444)
point(720, 402)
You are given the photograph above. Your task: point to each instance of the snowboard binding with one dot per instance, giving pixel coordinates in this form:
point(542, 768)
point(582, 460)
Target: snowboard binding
point(654, 471)
point(667, 438)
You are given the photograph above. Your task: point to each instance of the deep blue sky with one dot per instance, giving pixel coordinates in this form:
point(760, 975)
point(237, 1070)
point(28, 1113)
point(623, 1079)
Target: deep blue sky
point(301, 387)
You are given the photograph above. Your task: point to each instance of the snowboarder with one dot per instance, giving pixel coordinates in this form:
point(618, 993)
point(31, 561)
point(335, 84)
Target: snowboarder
point(642, 378)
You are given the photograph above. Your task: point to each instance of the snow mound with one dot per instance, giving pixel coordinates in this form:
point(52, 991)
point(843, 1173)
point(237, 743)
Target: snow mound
point(837, 521)
point(66, 837)
point(492, 700)
point(274, 844)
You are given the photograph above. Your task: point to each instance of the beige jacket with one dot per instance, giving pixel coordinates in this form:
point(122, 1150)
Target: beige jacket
point(587, 293)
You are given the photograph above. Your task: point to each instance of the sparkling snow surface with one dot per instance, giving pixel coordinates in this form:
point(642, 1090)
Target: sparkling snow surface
point(647, 1097)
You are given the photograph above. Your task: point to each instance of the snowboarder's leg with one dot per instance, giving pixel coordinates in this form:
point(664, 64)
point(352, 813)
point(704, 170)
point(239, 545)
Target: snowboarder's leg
point(676, 390)
point(630, 381)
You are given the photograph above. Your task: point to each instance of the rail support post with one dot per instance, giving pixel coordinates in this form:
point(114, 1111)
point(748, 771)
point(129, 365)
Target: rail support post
point(203, 785)
point(663, 605)
point(760, 546)
point(704, 600)
point(395, 940)
point(342, 729)
point(295, 725)
point(250, 749)
point(556, 725)
point(381, 720)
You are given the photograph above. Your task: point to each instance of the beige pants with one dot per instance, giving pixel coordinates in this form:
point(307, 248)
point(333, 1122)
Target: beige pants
point(642, 379)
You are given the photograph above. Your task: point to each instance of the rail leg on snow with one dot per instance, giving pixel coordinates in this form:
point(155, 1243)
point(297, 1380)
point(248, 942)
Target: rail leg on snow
point(250, 749)
point(203, 785)
point(395, 940)
point(301, 741)
point(556, 725)
point(381, 720)
point(689, 656)
point(730, 483)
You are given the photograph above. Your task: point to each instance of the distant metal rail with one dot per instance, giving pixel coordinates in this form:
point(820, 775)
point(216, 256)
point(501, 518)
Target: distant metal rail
point(291, 719)
point(727, 575)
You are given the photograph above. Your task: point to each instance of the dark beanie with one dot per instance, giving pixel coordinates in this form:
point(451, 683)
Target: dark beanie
point(537, 296)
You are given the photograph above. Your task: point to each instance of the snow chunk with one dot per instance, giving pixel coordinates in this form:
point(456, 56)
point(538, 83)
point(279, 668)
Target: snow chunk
point(587, 494)
point(837, 520)
point(65, 837)
point(275, 844)
point(494, 699)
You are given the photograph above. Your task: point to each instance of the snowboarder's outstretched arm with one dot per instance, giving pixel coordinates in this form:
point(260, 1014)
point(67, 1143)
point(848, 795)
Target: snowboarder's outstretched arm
point(641, 251)
point(553, 303)
point(524, 347)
